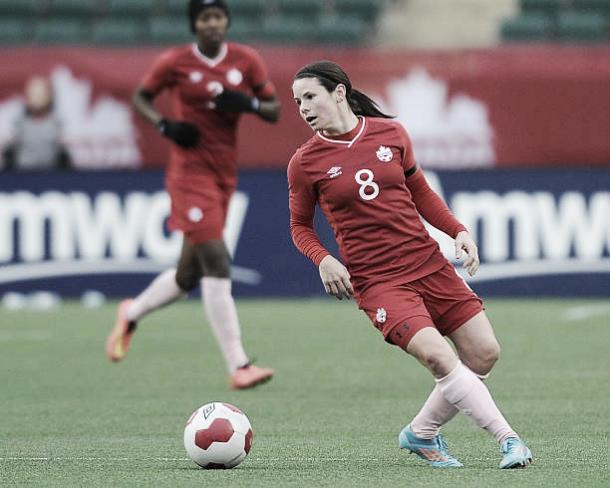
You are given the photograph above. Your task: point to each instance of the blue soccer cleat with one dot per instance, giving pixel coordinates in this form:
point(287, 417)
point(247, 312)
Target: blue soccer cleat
point(516, 454)
point(434, 451)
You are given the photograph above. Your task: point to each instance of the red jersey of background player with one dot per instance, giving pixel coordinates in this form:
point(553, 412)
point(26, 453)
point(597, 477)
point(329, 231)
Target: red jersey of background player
point(371, 192)
point(195, 80)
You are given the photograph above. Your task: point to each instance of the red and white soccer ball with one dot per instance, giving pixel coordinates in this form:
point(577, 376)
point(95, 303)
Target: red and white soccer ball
point(218, 436)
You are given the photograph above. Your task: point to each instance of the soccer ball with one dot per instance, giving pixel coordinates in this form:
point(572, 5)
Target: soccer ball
point(218, 436)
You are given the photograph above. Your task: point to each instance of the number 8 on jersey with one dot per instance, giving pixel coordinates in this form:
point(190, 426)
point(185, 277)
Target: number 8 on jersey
point(366, 182)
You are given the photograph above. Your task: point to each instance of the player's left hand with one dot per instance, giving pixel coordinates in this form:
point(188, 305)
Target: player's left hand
point(465, 244)
point(234, 101)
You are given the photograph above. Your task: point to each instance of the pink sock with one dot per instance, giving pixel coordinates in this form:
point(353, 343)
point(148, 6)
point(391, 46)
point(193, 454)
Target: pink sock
point(222, 315)
point(162, 291)
point(463, 389)
point(435, 413)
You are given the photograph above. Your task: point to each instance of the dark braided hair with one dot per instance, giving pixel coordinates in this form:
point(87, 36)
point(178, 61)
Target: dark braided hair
point(330, 75)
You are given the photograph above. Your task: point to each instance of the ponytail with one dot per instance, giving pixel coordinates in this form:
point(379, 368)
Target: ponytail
point(362, 104)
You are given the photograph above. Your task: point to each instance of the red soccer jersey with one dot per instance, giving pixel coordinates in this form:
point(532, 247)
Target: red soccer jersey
point(194, 81)
point(372, 194)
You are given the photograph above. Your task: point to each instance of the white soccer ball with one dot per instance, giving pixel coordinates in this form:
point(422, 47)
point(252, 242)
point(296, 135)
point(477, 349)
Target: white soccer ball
point(218, 436)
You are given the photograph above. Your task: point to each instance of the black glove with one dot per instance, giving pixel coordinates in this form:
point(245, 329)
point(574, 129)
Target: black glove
point(182, 133)
point(233, 101)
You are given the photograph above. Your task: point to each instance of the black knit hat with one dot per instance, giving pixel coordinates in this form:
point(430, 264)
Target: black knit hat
point(196, 6)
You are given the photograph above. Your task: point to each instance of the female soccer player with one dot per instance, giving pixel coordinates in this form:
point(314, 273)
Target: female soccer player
point(212, 83)
point(359, 167)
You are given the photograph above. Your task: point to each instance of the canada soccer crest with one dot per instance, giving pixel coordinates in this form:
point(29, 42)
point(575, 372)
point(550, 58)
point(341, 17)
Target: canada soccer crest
point(381, 315)
point(234, 76)
point(384, 154)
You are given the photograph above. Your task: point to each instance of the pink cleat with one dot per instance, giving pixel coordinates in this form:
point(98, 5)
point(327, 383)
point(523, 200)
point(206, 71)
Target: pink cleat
point(118, 341)
point(249, 376)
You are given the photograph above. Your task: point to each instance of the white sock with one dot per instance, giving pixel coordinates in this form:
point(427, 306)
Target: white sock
point(162, 291)
point(221, 312)
point(435, 413)
point(463, 389)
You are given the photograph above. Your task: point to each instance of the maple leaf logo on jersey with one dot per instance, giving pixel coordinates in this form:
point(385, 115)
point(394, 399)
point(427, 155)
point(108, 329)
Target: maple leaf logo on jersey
point(195, 76)
point(381, 315)
point(234, 76)
point(384, 154)
point(334, 172)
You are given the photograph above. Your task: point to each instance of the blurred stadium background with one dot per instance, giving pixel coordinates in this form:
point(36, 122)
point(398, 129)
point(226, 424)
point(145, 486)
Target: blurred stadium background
point(508, 106)
point(507, 102)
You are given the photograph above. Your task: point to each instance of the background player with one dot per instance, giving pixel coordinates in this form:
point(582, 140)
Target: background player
point(359, 167)
point(212, 83)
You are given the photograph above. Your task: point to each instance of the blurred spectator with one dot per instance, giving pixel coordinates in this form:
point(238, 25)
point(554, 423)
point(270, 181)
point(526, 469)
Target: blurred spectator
point(36, 143)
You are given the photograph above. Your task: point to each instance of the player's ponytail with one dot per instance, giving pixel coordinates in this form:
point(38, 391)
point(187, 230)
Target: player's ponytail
point(330, 75)
point(362, 104)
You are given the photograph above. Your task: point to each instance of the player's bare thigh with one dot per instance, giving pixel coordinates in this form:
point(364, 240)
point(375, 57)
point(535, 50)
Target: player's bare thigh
point(476, 344)
point(431, 349)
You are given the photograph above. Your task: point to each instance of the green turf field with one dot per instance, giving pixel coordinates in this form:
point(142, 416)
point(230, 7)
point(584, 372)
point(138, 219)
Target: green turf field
point(329, 418)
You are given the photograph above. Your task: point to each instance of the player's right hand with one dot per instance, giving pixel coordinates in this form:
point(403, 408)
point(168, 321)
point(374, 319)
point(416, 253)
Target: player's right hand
point(336, 278)
point(182, 133)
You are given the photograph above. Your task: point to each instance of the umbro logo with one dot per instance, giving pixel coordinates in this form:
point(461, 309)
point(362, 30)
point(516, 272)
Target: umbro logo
point(334, 172)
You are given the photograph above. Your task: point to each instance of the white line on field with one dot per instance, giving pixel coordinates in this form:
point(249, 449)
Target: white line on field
point(583, 312)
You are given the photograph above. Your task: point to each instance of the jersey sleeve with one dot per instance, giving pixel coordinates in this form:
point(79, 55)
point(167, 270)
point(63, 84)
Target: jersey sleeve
point(161, 75)
point(408, 158)
point(302, 203)
point(259, 78)
point(429, 205)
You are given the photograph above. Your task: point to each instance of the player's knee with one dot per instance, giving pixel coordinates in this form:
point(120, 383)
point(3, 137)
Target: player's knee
point(439, 363)
point(187, 280)
point(486, 357)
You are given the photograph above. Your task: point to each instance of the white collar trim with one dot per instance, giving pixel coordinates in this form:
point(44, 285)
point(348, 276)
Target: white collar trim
point(211, 62)
point(349, 143)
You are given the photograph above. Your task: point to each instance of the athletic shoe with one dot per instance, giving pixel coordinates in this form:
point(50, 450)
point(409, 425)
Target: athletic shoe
point(249, 376)
point(516, 454)
point(118, 341)
point(433, 451)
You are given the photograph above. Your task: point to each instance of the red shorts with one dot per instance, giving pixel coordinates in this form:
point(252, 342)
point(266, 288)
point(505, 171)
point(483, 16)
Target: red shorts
point(199, 209)
point(442, 300)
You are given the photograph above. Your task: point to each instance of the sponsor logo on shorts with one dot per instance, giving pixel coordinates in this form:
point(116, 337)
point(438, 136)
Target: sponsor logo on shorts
point(381, 315)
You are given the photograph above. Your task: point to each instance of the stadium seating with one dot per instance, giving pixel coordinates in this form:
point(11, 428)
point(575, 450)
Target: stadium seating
point(124, 22)
point(169, 30)
point(339, 29)
point(118, 32)
point(559, 20)
point(534, 26)
point(14, 30)
point(60, 31)
point(143, 8)
point(581, 26)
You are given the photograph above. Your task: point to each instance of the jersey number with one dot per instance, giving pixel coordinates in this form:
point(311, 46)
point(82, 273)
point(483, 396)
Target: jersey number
point(369, 190)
